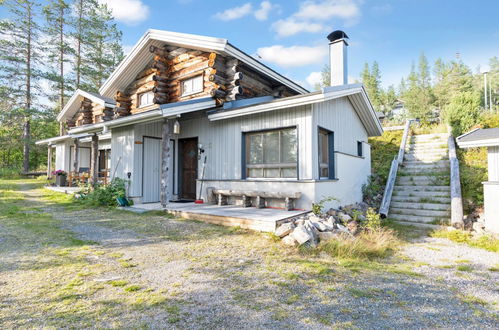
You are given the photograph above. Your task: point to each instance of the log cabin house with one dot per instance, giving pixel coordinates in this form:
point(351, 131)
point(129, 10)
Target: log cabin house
point(187, 117)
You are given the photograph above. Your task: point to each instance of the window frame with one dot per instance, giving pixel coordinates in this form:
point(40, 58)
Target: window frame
point(139, 95)
point(280, 166)
point(182, 93)
point(331, 152)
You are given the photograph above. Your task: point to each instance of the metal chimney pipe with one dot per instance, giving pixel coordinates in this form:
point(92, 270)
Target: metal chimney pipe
point(338, 60)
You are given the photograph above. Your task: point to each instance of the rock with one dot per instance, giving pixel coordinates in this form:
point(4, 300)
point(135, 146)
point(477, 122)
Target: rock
point(315, 233)
point(319, 225)
point(331, 220)
point(361, 218)
point(479, 227)
point(284, 229)
point(328, 226)
point(302, 234)
point(289, 240)
point(353, 227)
point(343, 229)
point(313, 217)
point(344, 217)
point(331, 212)
point(327, 236)
point(299, 222)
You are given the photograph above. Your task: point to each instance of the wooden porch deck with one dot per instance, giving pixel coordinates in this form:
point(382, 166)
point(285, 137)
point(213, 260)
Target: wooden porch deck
point(265, 219)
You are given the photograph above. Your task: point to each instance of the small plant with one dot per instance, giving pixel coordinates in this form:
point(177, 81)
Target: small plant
point(373, 219)
point(105, 195)
point(317, 208)
point(59, 173)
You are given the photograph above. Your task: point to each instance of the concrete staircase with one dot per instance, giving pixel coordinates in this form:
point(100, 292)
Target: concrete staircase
point(421, 195)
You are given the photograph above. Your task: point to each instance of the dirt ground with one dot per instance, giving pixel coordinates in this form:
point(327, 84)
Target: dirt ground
point(62, 265)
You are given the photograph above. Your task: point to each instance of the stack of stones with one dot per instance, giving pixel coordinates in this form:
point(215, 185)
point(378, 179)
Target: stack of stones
point(310, 229)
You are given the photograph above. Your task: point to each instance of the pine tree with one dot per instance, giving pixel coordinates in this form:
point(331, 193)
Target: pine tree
point(81, 30)
point(19, 56)
point(58, 50)
point(372, 82)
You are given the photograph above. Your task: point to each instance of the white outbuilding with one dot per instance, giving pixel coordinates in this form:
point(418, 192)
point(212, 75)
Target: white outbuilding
point(488, 138)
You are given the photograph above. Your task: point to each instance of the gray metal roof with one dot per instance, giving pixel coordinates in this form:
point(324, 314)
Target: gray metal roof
point(104, 98)
point(480, 134)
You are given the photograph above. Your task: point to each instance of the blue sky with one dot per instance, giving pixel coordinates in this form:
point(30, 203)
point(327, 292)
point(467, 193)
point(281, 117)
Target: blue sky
point(290, 36)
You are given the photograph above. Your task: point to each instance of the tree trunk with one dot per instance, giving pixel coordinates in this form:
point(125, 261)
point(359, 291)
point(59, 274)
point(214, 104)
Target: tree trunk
point(165, 160)
point(27, 128)
point(26, 138)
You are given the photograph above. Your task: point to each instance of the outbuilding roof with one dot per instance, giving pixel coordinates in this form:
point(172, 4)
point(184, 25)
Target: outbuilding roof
point(479, 137)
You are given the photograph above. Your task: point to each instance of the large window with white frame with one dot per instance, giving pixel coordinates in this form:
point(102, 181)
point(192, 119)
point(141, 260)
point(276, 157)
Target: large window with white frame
point(145, 99)
point(192, 85)
point(271, 154)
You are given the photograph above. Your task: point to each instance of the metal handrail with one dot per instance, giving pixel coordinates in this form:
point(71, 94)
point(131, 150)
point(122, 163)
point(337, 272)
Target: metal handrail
point(390, 183)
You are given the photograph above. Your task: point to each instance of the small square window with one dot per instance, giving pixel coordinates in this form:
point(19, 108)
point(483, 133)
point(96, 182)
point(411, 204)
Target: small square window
point(192, 85)
point(145, 99)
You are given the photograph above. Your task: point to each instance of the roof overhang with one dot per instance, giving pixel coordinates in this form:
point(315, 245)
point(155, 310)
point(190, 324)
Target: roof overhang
point(355, 93)
point(470, 142)
point(169, 110)
point(84, 137)
point(73, 104)
point(133, 63)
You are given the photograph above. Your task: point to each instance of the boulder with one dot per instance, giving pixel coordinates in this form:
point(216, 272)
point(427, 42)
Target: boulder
point(289, 240)
point(344, 217)
point(319, 225)
point(343, 229)
point(299, 222)
point(285, 229)
point(302, 234)
point(328, 226)
point(331, 220)
point(332, 212)
point(353, 227)
point(327, 236)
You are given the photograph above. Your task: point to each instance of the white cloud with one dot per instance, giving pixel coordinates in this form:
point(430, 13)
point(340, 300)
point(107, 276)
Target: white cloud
point(129, 12)
point(263, 13)
point(290, 26)
point(324, 10)
point(234, 13)
point(313, 15)
point(292, 56)
point(314, 78)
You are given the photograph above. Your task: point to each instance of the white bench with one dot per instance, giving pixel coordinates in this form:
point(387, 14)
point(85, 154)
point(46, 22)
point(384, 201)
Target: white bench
point(260, 196)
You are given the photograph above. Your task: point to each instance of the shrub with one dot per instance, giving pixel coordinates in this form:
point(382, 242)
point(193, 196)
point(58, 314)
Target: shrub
point(463, 112)
point(105, 195)
point(373, 219)
point(473, 171)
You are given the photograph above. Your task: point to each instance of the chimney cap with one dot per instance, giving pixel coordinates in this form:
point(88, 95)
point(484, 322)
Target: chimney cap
point(336, 35)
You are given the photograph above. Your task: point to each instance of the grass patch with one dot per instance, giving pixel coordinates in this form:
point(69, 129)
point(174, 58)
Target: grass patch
point(485, 242)
point(464, 268)
point(118, 283)
point(133, 288)
point(368, 245)
point(472, 300)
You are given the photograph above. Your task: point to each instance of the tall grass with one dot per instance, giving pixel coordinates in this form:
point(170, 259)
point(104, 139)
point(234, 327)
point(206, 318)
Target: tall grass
point(368, 245)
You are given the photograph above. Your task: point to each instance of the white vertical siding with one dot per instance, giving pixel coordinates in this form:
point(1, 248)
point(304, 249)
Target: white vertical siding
point(122, 158)
point(339, 116)
point(62, 161)
point(493, 162)
point(222, 140)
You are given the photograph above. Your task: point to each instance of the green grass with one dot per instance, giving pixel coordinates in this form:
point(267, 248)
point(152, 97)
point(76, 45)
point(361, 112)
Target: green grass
point(465, 268)
point(118, 283)
point(485, 242)
point(133, 288)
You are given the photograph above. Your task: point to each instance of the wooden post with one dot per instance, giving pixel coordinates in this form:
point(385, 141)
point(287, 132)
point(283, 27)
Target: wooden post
point(165, 160)
point(94, 159)
point(455, 187)
point(75, 156)
point(49, 162)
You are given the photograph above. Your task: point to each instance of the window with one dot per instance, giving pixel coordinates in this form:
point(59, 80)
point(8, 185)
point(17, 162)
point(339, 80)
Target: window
point(192, 85)
point(272, 154)
point(326, 154)
point(146, 99)
point(359, 149)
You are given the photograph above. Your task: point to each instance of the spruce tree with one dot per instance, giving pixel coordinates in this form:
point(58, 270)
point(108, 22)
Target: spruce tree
point(20, 58)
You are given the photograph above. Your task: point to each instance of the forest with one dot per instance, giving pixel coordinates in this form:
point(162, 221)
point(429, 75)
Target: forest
point(48, 50)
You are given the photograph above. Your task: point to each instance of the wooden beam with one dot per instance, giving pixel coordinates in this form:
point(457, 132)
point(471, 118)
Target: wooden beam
point(94, 160)
point(165, 161)
point(75, 155)
point(49, 162)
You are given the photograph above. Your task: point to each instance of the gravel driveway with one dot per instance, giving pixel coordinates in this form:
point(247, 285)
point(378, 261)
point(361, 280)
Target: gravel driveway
point(117, 269)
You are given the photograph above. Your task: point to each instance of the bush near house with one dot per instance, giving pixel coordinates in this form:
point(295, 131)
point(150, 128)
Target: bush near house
point(104, 195)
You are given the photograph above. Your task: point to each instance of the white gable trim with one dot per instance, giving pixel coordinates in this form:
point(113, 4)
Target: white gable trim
point(73, 104)
point(139, 55)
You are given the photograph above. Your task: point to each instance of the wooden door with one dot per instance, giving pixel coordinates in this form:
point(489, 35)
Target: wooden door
point(188, 149)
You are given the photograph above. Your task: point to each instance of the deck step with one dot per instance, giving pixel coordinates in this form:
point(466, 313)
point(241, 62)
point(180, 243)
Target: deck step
point(421, 206)
point(421, 188)
point(421, 194)
point(418, 224)
point(417, 199)
point(417, 218)
point(418, 212)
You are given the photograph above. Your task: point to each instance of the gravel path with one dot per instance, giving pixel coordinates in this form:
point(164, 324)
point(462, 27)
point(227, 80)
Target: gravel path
point(216, 277)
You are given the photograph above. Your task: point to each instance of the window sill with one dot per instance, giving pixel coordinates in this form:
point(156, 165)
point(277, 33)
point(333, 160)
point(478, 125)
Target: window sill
point(191, 93)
